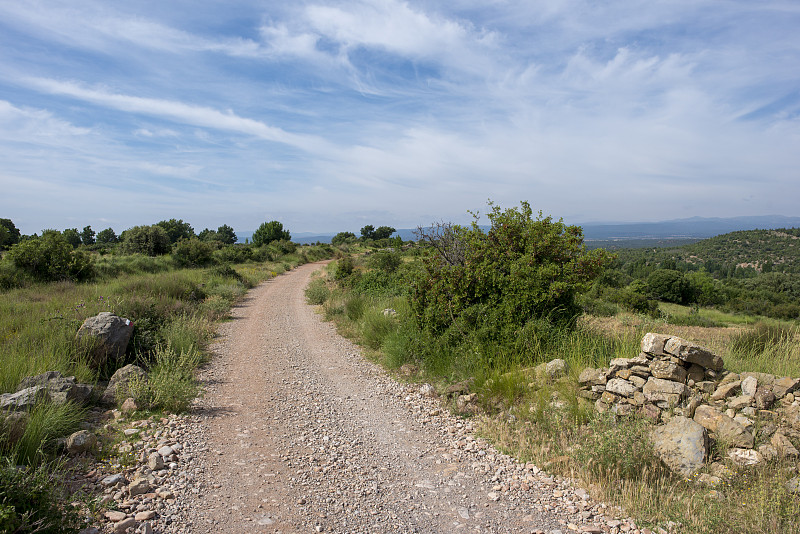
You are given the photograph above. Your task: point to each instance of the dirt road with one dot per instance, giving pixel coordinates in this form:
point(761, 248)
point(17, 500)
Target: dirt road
point(301, 434)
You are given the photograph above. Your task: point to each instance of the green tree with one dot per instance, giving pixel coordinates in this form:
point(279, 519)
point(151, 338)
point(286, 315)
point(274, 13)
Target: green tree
point(342, 238)
point(193, 252)
point(368, 232)
point(226, 234)
point(9, 234)
point(269, 232)
point(383, 232)
point(51, 257)
point(149, 240)
point(176, 229)
point(87, 236)
point(207, 235)
point(73, 237)
point(669, 285)
point(107, 236)
point(522, 269)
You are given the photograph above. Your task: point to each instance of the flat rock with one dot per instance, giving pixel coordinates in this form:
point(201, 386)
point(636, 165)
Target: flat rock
point(693, 353)
point(682, 444)
point(654, 343)
point(668, 371)
point(725, 390)
point(23, 400)
point(621, 387)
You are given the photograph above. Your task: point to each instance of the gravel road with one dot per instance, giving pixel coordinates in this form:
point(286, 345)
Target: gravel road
point(297, 432)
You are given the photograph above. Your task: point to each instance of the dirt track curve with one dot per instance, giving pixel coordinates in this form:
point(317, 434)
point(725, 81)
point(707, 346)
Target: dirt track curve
point(300, 434)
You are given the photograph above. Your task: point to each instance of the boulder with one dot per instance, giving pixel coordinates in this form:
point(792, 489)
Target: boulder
point(783, 446)
point(61, 389)
point(725, 390)
point(682, 444)
point(763, 398)
point(24, 399)
point(793, 486)
point(80, 442)
point(556, 368)
point(120, 382)
point(692, 353)
point(12, 426)
point(108, 334)
point(724, 427)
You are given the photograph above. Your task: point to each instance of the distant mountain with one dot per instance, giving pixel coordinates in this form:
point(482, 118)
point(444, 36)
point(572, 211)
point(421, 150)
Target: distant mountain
point(635, 234)
point(692, 228)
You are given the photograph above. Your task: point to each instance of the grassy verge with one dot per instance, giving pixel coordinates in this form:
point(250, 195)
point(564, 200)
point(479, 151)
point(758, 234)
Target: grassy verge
point(546, 422)
point(174, 312)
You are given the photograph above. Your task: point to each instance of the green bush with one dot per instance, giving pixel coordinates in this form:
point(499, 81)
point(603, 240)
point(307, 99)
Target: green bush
point(33, 500)
point(385, 260)
point(233, 254)
point(317, 292)
point(193, 253)
point(269, 232)
point(148, 240)
point(50, 258)
point(170, 383)
point(670, 286)
point(521, 269)
point(344, 268)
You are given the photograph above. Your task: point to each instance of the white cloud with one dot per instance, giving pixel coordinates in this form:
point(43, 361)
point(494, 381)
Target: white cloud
point(178, 111)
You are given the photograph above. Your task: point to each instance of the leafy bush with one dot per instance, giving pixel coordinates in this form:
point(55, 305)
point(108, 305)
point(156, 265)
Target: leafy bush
point(193, 253)
point(317, 291)
point(233, 254)
point(170, 383)
point(148, 240)
point(269, 232)
point(50, 257)
point(523, 268)
point(670, 286)
point(344, 268)
point(32, 500)
point(385, 260)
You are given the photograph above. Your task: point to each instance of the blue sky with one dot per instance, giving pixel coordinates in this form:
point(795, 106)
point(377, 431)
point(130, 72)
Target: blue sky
point(331, 115)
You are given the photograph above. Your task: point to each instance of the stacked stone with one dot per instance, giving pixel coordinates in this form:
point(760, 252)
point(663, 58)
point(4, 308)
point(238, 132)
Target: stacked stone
point(673, 379)
point(669, 373)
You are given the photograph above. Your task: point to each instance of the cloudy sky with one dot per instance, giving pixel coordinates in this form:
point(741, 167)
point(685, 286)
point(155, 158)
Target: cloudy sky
point(329, 115)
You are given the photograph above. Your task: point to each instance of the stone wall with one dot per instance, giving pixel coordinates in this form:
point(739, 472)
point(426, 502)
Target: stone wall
point(756, 414)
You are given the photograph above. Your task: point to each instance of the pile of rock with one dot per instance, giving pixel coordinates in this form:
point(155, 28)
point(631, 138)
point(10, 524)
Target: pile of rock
point(685, 385)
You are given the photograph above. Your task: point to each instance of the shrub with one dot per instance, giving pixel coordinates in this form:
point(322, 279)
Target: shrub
point(148, 240)
point(32, 500)
point(49, 258)
point(317, 292)
point(344, 268)
point(670, 286)
point(170, 383)
point(233, 254)
point(193, 253)
point(269, 232)
point(385, 260)
point(521, 269)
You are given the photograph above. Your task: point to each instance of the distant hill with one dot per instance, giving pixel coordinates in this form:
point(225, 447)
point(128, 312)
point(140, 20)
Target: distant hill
point(692, 229)
point(628, 235)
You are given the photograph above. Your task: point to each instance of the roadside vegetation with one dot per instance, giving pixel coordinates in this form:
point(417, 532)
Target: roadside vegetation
point(173, 285)
point(481, 311)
